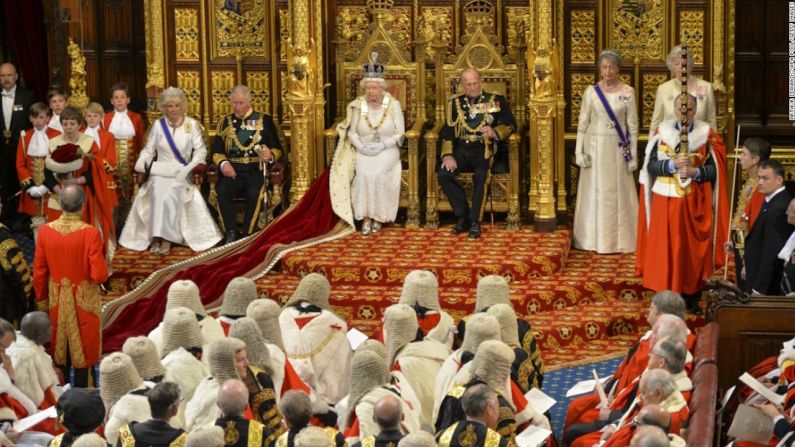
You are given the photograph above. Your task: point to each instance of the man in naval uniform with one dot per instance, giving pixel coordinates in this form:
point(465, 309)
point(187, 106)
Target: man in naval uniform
point(477, 125)
point(245, 142)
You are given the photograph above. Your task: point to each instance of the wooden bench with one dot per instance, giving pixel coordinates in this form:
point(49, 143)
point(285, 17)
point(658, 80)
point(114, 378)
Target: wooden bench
point(704, 399)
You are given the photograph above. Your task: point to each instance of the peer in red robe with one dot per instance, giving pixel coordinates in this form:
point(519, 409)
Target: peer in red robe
point(69, 267)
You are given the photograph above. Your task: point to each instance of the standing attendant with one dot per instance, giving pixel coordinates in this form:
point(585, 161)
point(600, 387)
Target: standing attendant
point(128, 129)
point(245, 142)
point(58, 101)
point(16, 100)
point(67, 272)
point(605, 217)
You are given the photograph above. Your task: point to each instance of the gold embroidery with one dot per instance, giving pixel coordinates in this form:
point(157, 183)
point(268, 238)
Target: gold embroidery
point(15, 263)
point(37, 170)
point(255, 434)
point(457, 391)
point(231, 435)
point(282, 441)
point(126, 436)
point(493, 439)
point(67, 299)
point(447, 436)
point(332, 435)
point(56, 441)
point(468, 438)
point(68, 223)
point(368, 441)
point(308, 355)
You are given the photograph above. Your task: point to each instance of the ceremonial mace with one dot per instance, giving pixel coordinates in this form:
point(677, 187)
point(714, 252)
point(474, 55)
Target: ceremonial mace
point(731, 204)
point(683, 101)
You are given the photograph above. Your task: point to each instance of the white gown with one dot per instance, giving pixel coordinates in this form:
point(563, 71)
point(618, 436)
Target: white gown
point(375, 190)
point(168, 205)
point(606, 211)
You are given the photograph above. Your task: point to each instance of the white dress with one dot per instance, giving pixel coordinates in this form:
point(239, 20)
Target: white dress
point(666, 95)
point(375, 190)
point(606, 211)
point(168, 205)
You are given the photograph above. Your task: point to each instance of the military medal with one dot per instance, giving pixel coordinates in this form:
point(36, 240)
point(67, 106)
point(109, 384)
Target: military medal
point(7, 134)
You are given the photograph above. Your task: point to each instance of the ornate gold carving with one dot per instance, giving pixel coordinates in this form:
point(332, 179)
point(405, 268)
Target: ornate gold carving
point(259, 83)
point(284, 91)
point(583, 39)
point(284, 33)
point(437, 25)
point(520, 27)
point(190, 82)
point(153, 18)
point(245, 33)
point(479, 13)
point(353, 26)
point(650, 83)
point(579, 82)
point(639, 28)
point(186, 34)
point(691, 32)
point(77, 83)
point(222, 82)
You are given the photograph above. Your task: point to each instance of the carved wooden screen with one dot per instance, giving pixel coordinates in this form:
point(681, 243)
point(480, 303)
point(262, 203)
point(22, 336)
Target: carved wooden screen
point(209, 46)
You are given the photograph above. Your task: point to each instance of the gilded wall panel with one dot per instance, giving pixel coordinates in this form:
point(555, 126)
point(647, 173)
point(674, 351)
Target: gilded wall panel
point(520, 28)
point(259, 83)
point(186, 34)
point(579, 82)
point(583, 39)
point(650, 83)
point(240, 28)
point(639, 28)
point(437, 25)
point(222, 82)
point(286, 118)
point(691, 32)
point(284, 33)
point(353, 22)
point(478, 18)
point(190, 82)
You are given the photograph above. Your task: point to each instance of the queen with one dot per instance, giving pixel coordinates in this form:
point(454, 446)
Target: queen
point(169, 208)
point(374, 127)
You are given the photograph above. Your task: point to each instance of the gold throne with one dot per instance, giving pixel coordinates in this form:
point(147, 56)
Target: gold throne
point(405, 81)
point(479, 51)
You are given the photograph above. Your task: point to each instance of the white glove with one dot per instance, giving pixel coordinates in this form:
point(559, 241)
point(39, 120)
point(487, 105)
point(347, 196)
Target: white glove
point(33, 191)
point(372, 148)
point(43, 190)
point(582, 160)
point(140, 165)
point(183, 174)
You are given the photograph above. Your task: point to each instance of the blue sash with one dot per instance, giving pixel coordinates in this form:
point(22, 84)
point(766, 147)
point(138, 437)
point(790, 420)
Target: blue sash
point(623, 137)
point(170, 141)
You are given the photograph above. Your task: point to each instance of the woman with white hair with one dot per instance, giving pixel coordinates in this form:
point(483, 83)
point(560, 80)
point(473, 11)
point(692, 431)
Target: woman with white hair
point(605, 217)
point(669, 90)
point(374, 127)
point(169, 208)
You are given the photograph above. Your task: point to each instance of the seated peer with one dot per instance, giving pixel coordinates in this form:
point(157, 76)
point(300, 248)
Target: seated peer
point(239, 431)
point(163, 403)
point(481, 409)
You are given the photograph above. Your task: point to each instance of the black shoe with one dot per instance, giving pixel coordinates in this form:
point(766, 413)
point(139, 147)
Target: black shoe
point(474, 230)
point(461, 226)
point(231, 236)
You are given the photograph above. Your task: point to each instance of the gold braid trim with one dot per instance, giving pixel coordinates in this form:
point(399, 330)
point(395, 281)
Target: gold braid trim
point(126, 437)
point(282, 440)
point(447, 436)
point(368, 441)
point(68, 223)
point(330, 336)
point(56, 441)
point(332, 435)
point(255, 434)
point(67, 298)
point(180, 441)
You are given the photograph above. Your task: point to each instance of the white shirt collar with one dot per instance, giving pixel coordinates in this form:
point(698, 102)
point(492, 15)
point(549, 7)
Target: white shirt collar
point(770, 197)
point(13, 90)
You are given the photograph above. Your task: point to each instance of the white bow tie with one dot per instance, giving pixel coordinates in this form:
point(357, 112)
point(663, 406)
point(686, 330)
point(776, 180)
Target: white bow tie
point(7, 94)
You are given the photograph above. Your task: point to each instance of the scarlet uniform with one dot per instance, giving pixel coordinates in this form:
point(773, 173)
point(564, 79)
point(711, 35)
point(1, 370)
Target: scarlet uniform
point(125, 126)
point(68, 268)
point(30, 170)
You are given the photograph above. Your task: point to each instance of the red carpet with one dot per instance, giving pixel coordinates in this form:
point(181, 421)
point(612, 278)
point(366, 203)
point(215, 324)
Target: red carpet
point(583, 306)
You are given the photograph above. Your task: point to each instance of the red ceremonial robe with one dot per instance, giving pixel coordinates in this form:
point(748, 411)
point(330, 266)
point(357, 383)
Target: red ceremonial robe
point(30, 171)
point(686, 227)
point(68, 269)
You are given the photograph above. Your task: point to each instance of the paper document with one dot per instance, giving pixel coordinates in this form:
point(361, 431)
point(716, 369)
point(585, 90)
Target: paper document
point(751, 424)
point(539, 400)
point(584, 386)
point(600, 390)
point(356, 337)
point(24, 424)
point(532, 436)
point(749, 380)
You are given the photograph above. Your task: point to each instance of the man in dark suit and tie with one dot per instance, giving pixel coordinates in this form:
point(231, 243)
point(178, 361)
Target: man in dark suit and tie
point(769, 233)
point(15, 101)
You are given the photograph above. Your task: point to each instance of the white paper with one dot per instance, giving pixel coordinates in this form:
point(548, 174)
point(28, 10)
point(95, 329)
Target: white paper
point(356, 338)
point(751, 424)
point(727, 396)
point(24, 424)
point(773, 373)
point(584, 386)
point(539, 400)
point(532, 436)
point(600, 390)
point(749, 380)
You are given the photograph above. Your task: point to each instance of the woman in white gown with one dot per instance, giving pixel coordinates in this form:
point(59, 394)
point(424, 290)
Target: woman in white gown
point(605, 216)
point(376, 129)
point(169, 208)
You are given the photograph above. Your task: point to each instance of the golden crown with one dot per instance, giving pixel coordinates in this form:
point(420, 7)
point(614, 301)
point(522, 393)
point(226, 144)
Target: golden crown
point(479, 8)
point(380, 4)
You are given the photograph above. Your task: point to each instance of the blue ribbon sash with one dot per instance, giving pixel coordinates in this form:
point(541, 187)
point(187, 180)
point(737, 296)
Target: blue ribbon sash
point(170, 141)
point(623, 136)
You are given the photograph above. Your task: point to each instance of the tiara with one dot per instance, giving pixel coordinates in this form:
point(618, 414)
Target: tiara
point(373, 69)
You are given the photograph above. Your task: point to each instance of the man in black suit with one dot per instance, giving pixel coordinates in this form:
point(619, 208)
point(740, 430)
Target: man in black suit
point(769, 233)
point(16, 101)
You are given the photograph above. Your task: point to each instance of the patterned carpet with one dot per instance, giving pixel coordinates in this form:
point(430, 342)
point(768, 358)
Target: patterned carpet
point(584, 307)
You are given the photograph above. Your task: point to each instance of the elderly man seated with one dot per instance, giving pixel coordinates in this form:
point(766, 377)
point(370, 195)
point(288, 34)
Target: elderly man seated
point(296, 409)
point(239, 431)
point(34, 371)
point(481, 409)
